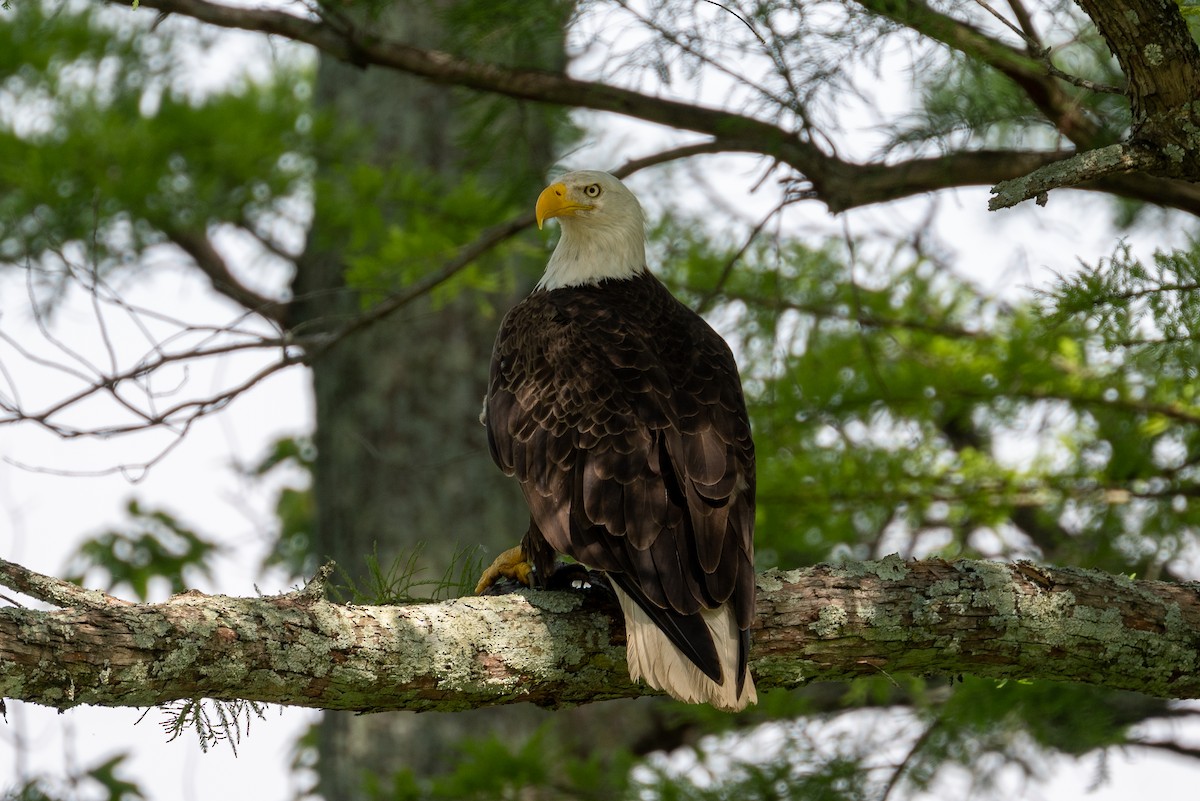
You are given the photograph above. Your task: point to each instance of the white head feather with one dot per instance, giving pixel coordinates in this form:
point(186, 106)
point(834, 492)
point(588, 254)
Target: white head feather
point(603, 230)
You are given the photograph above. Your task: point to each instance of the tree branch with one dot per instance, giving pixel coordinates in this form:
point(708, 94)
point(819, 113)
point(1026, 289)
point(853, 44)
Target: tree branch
point(1027, 71)
point(1156, 51)
point(213, 265)
point(841, 185)
point(1161, 62)
point(555, 649)
point(53, 590)
point(1081, 168)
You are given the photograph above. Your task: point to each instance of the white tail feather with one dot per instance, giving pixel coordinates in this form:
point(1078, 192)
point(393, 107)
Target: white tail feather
point(654, 659)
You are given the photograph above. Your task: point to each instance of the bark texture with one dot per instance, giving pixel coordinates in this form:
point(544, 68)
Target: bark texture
point(560, 649)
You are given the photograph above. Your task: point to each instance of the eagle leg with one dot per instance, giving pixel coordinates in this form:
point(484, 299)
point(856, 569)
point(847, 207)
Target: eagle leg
point(513, 564)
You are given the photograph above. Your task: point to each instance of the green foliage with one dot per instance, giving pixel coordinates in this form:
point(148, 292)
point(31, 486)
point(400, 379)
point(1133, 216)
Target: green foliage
point(1138, 324)
point(490, 768)
point(895, 407)
point(403, 581)
point(1006, 719)
point(155, 545)
point(964, 101)
point(1150, 312)
point(103, 148)
point(888, 403)
point(103, 774)
point(780, 780)
point(521, 33)
point(396, 226)
point(292, 547)
point(892, 407)
point(118, 789)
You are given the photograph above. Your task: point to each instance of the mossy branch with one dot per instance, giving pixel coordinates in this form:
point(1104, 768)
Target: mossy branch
point(1090, 165)
point(554, 649)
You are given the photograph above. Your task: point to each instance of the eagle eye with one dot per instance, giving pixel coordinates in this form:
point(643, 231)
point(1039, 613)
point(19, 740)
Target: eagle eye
point(592, 190)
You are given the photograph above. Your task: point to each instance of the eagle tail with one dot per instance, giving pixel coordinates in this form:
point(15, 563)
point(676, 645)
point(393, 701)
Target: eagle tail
point(653, 658)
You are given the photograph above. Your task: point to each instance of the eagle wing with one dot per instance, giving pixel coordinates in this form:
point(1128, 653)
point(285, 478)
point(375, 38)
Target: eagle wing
point(620, 412)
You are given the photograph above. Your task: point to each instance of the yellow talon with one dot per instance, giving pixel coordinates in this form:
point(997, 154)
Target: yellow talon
point(511, 564)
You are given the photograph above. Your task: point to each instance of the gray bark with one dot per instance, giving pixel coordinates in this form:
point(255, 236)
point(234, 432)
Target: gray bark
point(1018, 621)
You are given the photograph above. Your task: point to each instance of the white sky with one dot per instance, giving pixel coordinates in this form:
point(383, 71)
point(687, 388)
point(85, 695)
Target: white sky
point(43, 516)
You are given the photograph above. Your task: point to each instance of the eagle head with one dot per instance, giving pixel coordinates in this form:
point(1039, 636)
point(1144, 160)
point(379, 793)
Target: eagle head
point(603, 230)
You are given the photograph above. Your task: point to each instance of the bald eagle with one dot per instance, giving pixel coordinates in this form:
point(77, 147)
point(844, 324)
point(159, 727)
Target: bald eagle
point(620, 411)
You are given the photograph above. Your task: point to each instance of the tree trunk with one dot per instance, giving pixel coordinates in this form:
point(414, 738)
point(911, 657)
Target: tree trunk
point(402, 460)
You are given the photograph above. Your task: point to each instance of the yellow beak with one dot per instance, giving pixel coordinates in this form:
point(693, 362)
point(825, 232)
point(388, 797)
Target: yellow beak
point(553, 202)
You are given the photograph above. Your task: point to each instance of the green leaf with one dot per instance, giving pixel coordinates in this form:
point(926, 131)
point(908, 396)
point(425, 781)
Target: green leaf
point(154, 545)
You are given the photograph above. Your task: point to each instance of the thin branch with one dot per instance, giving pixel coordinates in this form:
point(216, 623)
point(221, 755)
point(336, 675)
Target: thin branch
point(147, 420)
point(1034, 47)
point(1178, 412)
point(133, 472)
point(1169, 746)
point(678, 41)
point(1005, 21)
point(43, 329)
point(33, 358)
point(673, 154)
point(1075, 80)
point(909, 758)
point(268, 244)
point(102, 324)
point(833, 313)
point(1025, 20)
point(487, 241)
point(1025, 70)
point(1072, 172)
point(740, 18)
point(712, 293)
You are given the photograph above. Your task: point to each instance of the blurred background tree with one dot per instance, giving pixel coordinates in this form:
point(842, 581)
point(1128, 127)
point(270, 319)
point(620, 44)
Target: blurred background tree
point(395, 466)
point(369, 226)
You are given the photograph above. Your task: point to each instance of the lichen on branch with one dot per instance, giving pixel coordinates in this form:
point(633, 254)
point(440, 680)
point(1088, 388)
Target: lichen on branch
point(1090, 165)
point(829, 622)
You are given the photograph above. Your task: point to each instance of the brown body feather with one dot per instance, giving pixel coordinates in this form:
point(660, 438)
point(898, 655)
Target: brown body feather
point(621, 413)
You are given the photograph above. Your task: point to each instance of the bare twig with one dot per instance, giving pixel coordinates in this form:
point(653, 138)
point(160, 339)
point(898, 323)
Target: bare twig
point(1025, 20)
point(1075, 80)
point(215, 342)
point(740, 18)
point(1005, 21)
